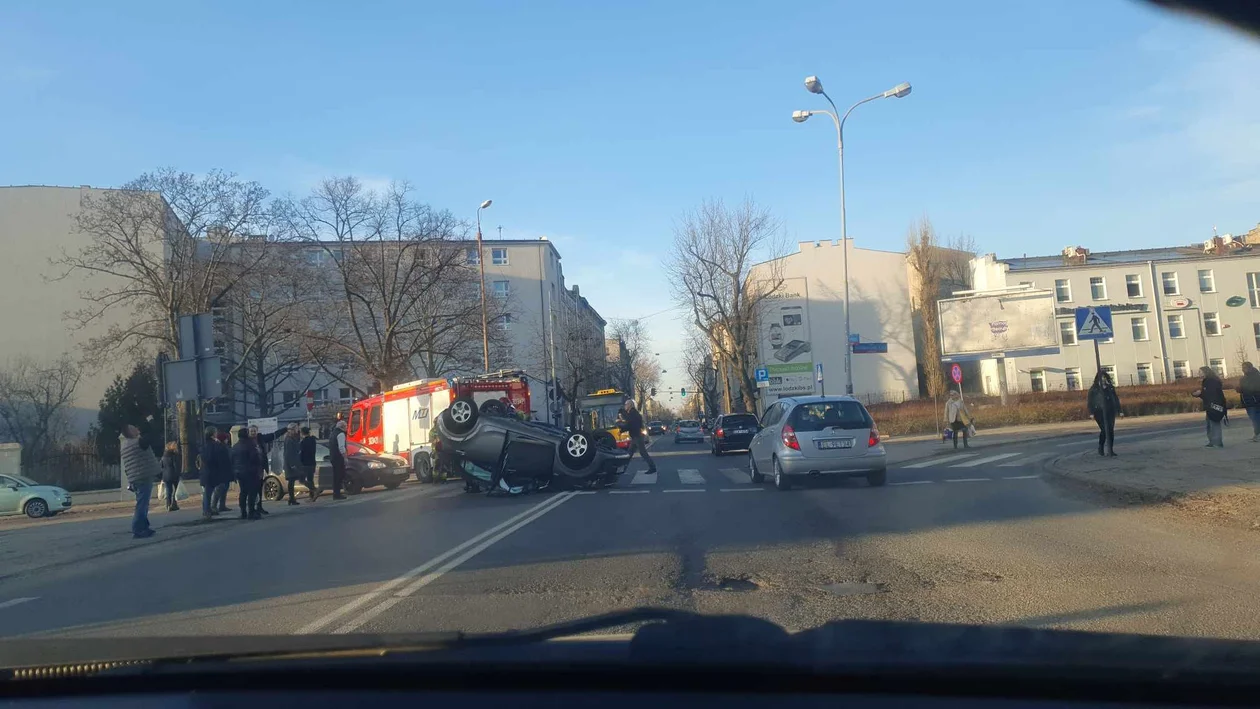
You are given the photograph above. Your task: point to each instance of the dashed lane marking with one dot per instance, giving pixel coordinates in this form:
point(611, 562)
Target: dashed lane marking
point(939, 461)
point(689, 476)
point(968, 480)
point(688, 489)
point(15, 601)
point(1022, 477)
point(914, 482)
point(982, 461)
point(645, 479)
point(628, 492)
point(741, 489)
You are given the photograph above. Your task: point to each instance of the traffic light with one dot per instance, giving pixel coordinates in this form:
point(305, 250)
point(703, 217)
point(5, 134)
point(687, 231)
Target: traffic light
point(682, 392)
point(653, 391)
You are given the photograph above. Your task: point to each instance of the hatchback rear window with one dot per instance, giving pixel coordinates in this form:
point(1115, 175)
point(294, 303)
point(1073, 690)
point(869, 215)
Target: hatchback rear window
point(829, 414)
point(740, 420)
point(689, 424)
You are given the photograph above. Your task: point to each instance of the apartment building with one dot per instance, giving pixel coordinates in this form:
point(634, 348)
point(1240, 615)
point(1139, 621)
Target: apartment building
point(1174, 309)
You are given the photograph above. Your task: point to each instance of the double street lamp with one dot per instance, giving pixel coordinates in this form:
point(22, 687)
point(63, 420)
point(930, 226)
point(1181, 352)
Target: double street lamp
point(481, 264)
point(814, 86)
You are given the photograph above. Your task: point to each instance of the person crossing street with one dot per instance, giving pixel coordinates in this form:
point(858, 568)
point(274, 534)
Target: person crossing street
point(632, 423)
point(958, 418)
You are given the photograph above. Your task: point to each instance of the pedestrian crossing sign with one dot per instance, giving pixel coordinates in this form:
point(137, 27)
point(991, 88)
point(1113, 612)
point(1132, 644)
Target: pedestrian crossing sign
point(1094, 323)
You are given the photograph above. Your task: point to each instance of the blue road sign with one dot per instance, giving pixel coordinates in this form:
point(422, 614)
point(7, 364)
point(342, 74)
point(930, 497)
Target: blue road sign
point(1093, 322)
point(870, 348)
point(762, 374)
point(854, 338)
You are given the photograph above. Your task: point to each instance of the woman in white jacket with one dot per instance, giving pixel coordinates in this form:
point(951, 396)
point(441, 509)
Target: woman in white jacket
point(957, 417)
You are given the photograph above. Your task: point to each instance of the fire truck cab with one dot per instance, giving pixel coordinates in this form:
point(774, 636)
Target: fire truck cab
point(399, 421)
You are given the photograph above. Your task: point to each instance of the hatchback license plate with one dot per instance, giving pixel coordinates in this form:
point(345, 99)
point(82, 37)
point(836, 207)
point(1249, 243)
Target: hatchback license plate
point(739, 430)
point(836, 443)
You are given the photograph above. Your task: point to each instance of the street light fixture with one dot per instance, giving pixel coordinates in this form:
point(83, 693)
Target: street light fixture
point(481, 264)
point(814, 85)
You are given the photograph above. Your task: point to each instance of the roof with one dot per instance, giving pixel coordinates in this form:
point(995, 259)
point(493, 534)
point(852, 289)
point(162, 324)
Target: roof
point(1117, 258)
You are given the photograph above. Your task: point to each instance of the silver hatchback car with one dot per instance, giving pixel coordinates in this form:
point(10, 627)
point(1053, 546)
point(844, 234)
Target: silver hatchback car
point(816, 436)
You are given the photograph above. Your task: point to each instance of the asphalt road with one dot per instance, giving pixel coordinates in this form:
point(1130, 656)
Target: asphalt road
point(982, 536)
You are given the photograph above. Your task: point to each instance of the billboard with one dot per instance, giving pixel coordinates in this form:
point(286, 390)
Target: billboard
point(1000, 324)
point(785, 345)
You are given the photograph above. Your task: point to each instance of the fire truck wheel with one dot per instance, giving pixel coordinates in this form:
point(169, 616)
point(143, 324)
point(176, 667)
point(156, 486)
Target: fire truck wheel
point(461, 415)
point(424, 471)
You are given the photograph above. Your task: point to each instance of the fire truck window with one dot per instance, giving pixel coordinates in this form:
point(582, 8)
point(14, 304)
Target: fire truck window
point(356, 417)
point(374, 418)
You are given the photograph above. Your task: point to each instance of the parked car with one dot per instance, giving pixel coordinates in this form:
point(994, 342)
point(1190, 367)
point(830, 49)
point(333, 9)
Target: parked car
point(656, 428)
point(21, 495)
point(688, 430)
point(733, 432)
point(816, 436)
point(365, 468)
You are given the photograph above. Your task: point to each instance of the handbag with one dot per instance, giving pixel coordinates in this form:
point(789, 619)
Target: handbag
point(971, 430)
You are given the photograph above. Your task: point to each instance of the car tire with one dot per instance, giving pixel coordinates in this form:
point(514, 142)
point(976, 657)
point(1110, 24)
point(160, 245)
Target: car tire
point(876, 478)
point(272, 488)
point(781, 481)
point(577, 450)
point(604, 440)
point(461, 415)
point(393, 484)
point(494, 407)
point(35, 508)
point(424, 471)
point(352, 485)
point(757, 477)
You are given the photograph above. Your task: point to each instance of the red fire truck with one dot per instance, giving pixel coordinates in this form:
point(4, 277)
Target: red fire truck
point(398, 421)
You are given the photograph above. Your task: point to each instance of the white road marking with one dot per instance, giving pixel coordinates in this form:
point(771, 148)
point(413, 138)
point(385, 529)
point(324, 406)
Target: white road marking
point(689, 476)
point(684, 490)
point(939, 461)
point(15, 601)
point(628, 492)
point(735, 475)
point(422, 492)
point(645, 479)
point(1022, 477)
point(968, 480)
point(742, 489)
point(587, 492)
point(914, 482)
point(477, 543)
point(982, 461)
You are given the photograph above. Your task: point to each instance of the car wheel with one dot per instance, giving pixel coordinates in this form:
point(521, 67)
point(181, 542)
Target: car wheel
point(753, 473)
point(604, 440)
point(272, 489)
point(461, 415)
point(876, 478)
point(393, 484)
point(494, 407)
point(781, 481)
point(424, 472)
point(36, 508)
point(353, 485)
point(577, 450)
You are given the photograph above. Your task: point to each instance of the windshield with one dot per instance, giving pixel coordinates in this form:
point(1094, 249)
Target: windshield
point(379, 218)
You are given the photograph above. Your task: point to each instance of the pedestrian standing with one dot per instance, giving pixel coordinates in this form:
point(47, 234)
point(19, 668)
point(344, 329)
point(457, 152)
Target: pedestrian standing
point(292, 461)
point(207, 473)
point(1249, 388)
point(171, 469)
point(632, 423)
point(219, 502)
point(337, 456)
point(246, 467)
point(958, 418)
point(1212, 392)
point(261, 442)
point(1104, 406)
point(306, 455)
point(141, 468)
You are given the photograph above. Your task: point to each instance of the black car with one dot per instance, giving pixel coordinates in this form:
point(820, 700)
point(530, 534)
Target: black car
point(656, 428)
point(365, 467)
point(733, 432)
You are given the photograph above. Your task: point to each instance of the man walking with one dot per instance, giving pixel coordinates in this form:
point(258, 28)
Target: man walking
point(306, 456)
point(246, 466)
point(141, 468)
point(292, 461)
point(632, 423)
point(337, 456)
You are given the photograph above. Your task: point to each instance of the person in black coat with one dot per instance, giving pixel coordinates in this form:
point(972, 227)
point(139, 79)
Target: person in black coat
point(263, 442)
point(1104, 406)
point(247, 468)
point(293, 461)
point(171, 468)
point(208, 473)
point(1215, 408)
point(1249, 388)
point(306, 457)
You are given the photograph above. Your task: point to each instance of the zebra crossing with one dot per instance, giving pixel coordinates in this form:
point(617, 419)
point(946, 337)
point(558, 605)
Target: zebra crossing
point(975, 460)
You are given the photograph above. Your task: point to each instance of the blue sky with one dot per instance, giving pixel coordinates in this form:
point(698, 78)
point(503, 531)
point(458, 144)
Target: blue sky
point(1032, 125)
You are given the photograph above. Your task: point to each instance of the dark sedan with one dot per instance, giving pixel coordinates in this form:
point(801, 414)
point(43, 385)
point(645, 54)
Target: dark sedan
point(365, 468)
point(733, 432)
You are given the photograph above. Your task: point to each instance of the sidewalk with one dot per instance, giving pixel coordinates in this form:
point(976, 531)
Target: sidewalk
point(1223, 484)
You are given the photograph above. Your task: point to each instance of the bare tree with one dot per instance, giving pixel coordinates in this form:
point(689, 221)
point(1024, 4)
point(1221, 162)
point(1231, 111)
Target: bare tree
point(634, 335)
point(711, 273)
point(697, 360)
point(937, 272)
point(647, 375)
point(34, 399)
point(405, 291)
point(956, 260)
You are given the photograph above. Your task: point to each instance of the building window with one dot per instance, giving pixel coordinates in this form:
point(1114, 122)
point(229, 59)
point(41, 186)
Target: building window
point(1133, 282)
point(498, 257)
point(1181, 369)
point(1067, 332)
point(1110, 370)
point(1038, 379)
point(1062, 290)
point(343, 393)
point(1253, 286)
point(1207, 281)
point(1139, 330)
point(1212, 324)
point(1218, 365)
point(1176, 329)
point(471, 256)
point(1255, 330)
point(501, 289)
point(1144, 373)
point(321, 396)
point(505, 322)
point(1073, 375)
point(1169, 279)
point(1097, 288)
point(288, 397)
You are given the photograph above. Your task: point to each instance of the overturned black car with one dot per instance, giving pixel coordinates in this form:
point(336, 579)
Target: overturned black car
point(493, 450)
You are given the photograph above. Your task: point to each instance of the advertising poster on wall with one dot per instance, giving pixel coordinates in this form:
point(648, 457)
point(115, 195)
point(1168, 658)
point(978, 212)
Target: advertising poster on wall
point(786, 348)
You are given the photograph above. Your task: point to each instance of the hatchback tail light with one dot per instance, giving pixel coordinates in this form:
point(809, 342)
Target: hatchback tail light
point(719, 433)
point(789, 437)
point(874, 439)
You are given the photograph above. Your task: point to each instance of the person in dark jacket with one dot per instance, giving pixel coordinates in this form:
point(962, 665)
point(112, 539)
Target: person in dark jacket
point(1104, 406)
point(263, 443)
point(246, 467)
point(337, 456)
point(306, 458)
point(1212, 392)
point(1249, 388)
point(219, 502)
point(171, 469)
point(292, 461)
point(632, 423)
point(208, 473)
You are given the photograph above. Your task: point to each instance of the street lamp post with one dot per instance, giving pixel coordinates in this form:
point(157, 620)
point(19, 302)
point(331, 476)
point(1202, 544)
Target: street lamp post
point(814, 86)
point(481, 264)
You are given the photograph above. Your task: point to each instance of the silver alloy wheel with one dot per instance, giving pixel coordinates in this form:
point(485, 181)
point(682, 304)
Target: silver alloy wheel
point(461, 411)
point(577, 445)
point(36, 508)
